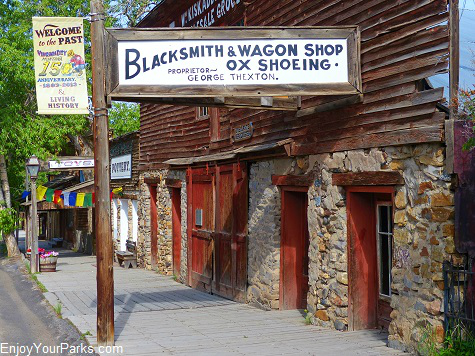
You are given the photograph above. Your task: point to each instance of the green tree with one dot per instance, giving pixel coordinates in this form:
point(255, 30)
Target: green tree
point(466, 107)
point(124, 118)
point(22, 131)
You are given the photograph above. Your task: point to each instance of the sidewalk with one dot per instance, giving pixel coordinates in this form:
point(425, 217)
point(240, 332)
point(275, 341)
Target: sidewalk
point(156, 315)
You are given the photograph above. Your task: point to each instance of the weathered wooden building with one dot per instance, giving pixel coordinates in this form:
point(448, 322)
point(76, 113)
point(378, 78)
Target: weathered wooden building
point(343, 207)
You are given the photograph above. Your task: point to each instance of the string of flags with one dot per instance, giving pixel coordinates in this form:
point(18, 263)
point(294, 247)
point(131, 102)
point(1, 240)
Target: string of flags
point(66, 198)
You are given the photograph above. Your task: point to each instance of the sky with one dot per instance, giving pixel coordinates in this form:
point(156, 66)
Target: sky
point(467, 50)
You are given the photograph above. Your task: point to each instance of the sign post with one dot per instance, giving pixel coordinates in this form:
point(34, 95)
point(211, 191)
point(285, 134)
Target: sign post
point(104, 248)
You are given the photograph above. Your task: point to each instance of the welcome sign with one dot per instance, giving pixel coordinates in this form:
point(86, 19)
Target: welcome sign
point(60, 68)
point(234, 62)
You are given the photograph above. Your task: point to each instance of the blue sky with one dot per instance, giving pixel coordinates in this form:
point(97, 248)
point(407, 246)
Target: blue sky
point(467, 49)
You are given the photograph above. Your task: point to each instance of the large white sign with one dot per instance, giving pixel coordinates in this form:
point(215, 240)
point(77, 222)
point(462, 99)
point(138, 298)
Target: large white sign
point(67, 164)
point(121, 167)
point(247, 61)
point(233, 62)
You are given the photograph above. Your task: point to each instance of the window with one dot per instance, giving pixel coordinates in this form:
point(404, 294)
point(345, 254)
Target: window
point(203, 111)
point(385, 243)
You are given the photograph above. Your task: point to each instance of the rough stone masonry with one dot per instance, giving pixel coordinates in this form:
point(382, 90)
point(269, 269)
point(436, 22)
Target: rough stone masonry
point(423, 234)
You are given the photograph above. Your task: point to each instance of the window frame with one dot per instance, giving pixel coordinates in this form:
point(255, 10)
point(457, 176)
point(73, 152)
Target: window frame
point(390, 235)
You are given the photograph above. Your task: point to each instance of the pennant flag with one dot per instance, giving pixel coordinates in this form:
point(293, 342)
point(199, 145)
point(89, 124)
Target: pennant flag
point(66, 198)
point(72, 198)
point(49, 195)
point(117, 190)
point(80, 199)
point(25, 194)
point(88, 199)
point(57, 196)
point(40, 192)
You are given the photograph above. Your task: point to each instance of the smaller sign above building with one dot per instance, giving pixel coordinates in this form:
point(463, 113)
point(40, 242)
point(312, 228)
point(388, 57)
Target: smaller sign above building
point(70, 164)
point(121, 167)
point(243, 132)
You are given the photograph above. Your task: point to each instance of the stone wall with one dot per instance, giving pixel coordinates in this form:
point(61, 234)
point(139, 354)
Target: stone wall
point(164, 216)
point(423, 238)
point(423, 234)
point(264, 233)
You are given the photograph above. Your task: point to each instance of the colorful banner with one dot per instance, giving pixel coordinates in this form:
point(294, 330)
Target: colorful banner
point(40, 192)
point(57, 196)
point(60, 69)
point(80, 199)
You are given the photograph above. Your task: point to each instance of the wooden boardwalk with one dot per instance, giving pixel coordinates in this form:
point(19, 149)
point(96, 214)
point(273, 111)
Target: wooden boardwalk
point(156, 315)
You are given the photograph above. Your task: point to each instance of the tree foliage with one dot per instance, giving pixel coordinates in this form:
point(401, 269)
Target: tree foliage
point(22, 131)
point(466, 107)
point(8, 220)
point(130, 12)
point(124, 118)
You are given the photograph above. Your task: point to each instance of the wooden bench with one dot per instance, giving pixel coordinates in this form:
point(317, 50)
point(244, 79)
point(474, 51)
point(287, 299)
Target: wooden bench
point(128, 258)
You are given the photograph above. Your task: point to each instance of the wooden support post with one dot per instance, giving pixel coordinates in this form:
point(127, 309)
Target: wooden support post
point(104, 247)
point(454, 49)
point(454, 76)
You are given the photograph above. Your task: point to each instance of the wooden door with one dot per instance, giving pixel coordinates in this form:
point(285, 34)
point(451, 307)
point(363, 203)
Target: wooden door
point(362, 262)
point(176, 230)
point(202, 210)
point(153, 226)
point(218, 247)
point(294, 249)
point(231, 232)
point(367, 308)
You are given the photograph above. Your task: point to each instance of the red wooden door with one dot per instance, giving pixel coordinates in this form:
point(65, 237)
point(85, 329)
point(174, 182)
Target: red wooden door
point(231, 232)
point(366, 309)
point(202, 210)
point(362, 260)
point(219, 247)
point(153, 226)
point(294, 249)
point(176, 230)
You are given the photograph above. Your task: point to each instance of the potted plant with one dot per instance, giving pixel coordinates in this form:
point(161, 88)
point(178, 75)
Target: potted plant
point(48, 261)
point(40, 252)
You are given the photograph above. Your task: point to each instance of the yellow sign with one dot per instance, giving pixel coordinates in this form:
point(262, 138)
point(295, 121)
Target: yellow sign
point(60, 68)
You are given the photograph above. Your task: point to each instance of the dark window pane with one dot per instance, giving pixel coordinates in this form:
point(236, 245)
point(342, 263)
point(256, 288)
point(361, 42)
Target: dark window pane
point(385, 267)
point(383, 218)
point(390, 213)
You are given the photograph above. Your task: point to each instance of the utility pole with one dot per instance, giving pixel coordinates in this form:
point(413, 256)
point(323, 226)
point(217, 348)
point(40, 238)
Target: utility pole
point(104, 248)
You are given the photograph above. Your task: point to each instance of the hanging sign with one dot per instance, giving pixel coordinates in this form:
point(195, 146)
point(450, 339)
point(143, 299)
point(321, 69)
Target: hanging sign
point(233, 62)
point(67, 164)
point(243, 132)
point(60, 69)
point(121, 167)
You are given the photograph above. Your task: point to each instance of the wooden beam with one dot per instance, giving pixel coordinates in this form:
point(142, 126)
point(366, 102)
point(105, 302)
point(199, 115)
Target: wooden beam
point(367, 178)
point(291, 103)
point(454, 50)
point(173, 183)
point(293, 180)
point(154, 180)
point(450, 146)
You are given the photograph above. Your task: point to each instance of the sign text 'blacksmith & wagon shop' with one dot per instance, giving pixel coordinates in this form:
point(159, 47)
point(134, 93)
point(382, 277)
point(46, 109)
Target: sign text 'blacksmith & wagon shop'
point(247, 61)
point(234, 62)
